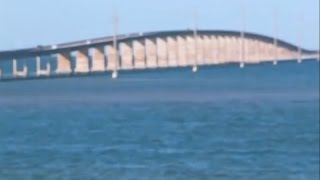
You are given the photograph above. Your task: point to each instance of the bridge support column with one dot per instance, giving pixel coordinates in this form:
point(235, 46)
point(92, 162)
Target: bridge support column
point(237, 49)
point(182, 51)
point(191, 51)
point(16, 73)
point(248, 50)
point(172, 52)
point(281, 53)
point(248, 47)
point(263, 51)
point(234, 50)
point(112, 61)
point(256, 53)
point(252, 50)
point(162, 52)
point(228, 49)
point(41, 72)
point(259, 51)
point(126, 54)
point(222, 50)
point(139, 54)
point(245, 50)
point(217, 50)
point(82, 61)
point(291, 55)
point(97, 60)
point(63, 63)
point(214, 50)
point(199, 51)
point(207, 50)
point(151, 53)
point(270, 52)
point(242, 51)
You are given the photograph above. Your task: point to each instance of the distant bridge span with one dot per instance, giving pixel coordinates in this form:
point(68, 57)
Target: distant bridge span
point(154, 50)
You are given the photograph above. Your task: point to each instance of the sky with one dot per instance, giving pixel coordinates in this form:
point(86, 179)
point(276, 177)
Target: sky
point(28, 23)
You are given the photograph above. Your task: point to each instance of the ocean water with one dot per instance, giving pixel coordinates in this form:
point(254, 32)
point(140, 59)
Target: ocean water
point(260, 122)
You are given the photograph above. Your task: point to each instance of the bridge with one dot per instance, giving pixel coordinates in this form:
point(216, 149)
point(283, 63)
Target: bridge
point(152, 50)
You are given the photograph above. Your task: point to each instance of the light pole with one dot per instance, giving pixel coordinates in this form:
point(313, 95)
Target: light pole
point(300, 28)
point(275, 33)
point(115, 46)
point(243, 17)
point(195, 37)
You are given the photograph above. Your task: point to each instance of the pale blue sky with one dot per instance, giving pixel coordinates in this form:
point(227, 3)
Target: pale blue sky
point(26, 23)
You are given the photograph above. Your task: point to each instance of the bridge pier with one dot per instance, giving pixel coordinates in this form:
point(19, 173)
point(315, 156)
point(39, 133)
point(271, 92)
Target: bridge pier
point(82, 61)
point(271, 54)
point(97, 60)
point(235, 48)
point(265, 52)
point(16, 73)
point(246, 50)
point(172, 52)
point(200, 50)
point(182, 51)
point(139, 54)
point(214, 50)
point(253, 52)
point(63, 63)
point(220, 48)
point(39, 71)
point(256, 51)
point(126, 55)
point(151, 53)
point(162, 53)
point(281, 53)
point(206, 50)
point(260, 50)
point(227, 49)
point(112, 60)
point(249, 51)
point(191, 52)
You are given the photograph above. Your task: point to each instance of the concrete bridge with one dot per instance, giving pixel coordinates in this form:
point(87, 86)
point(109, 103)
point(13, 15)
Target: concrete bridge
point(150, 51)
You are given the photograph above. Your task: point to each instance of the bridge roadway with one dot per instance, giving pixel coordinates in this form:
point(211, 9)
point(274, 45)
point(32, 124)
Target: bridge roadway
point(152, 50)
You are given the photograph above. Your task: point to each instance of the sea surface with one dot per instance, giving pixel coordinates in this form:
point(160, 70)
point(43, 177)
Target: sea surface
point(256, 123)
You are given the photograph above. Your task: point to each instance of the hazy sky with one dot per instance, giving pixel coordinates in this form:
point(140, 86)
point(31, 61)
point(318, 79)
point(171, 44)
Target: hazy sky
point(26, 23)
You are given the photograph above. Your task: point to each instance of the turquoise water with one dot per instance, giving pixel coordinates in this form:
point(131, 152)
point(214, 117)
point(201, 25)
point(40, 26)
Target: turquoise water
point(261, 122)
